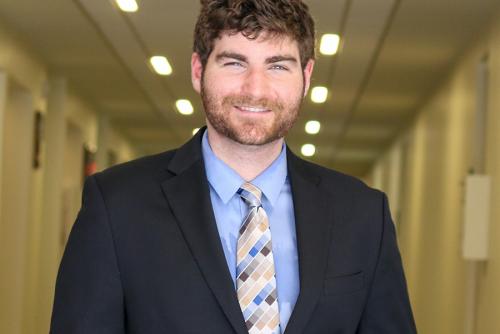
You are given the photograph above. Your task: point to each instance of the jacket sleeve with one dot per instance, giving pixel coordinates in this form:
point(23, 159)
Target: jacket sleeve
point(388, 307)
point(88, 294)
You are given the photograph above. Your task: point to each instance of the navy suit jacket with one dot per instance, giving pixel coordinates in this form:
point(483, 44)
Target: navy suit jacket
point(144, 255)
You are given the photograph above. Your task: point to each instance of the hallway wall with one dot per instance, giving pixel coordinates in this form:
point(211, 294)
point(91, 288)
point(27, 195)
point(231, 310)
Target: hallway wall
point(435, 154)
point(488, 304)
point(15, 194)
point(32, 230)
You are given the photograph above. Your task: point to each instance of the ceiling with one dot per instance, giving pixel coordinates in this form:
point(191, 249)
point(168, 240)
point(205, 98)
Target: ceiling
point(393, 54)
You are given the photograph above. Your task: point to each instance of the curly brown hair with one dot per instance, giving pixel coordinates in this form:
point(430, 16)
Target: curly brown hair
point(251, 17)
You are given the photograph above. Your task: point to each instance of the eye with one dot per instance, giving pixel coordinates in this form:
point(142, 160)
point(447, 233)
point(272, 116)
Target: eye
point(279, 67)
point(233, 64)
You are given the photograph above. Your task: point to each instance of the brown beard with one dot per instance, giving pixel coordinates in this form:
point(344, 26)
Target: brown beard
point(248, 132)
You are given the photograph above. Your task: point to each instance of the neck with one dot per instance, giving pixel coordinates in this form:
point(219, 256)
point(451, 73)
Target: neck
point(247, 160)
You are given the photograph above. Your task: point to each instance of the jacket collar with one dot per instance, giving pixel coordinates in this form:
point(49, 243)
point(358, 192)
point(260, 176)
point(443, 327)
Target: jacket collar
point(188, 154)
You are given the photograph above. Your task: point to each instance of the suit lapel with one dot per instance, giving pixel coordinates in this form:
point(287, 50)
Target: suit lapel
point(188, 195)
point(312, 217)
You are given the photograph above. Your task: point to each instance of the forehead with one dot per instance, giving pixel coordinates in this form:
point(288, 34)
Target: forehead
point(265, 45)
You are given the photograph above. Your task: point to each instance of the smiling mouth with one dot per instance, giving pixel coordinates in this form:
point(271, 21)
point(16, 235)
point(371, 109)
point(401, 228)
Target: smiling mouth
point(252, 109)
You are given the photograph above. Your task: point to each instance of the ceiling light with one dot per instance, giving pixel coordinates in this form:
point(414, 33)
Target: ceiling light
point(319, 94)
point(313, 127)
point(308, 150)
point(195, 131)
point(329, 44)
point(127, 5)
point(184, 106)
point(161, 65)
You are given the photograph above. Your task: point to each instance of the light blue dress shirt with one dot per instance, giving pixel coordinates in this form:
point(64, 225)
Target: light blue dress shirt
point(230, 210)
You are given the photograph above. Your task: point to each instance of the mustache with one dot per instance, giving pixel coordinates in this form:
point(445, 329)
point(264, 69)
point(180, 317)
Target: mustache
point(246, 100)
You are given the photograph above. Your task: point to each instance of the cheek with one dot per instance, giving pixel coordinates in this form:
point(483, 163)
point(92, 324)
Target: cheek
point(290, 93)
point(220, 86)
point(216, 76)
point(290, 86)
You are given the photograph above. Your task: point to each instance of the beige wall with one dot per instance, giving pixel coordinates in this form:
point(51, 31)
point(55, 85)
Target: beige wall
point(488, 319)
point(32, 217)
point(124, 152)
point(15, 195)
point(439, 155)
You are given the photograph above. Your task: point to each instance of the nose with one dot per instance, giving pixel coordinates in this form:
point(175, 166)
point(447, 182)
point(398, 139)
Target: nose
point(255, 83)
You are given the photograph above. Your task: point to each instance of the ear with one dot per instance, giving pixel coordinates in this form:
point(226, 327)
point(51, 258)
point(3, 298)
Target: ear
point(308, 70)
point(196, 71)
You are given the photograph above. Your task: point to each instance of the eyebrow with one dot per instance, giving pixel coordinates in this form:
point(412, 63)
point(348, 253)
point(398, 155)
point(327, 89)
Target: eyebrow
point(240, 57)
point(232, 55)
point(276, 59)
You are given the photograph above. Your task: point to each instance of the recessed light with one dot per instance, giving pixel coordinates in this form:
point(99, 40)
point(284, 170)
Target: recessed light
point(319, 94)
point(184, 106)
point(313, 127)
point(195, 131)
point(329, 44)
point(308, 150)
point(161, 65)
point(129, 6)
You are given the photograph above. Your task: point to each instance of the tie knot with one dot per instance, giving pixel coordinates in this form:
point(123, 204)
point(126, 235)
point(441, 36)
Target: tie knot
point(250, 194)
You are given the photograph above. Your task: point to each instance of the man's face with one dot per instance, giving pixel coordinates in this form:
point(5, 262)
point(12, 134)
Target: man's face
point(252, 89)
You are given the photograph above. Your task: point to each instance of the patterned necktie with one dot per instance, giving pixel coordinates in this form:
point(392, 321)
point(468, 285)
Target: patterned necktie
point(256, 281)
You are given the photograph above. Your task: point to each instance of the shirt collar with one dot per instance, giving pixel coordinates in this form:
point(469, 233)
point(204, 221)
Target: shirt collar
point(226, 181)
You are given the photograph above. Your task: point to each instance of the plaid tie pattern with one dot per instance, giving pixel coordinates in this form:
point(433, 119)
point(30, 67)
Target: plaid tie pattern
point(256, 281)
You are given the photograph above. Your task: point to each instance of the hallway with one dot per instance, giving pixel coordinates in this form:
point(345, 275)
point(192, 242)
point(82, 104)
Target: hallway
point(407, 102)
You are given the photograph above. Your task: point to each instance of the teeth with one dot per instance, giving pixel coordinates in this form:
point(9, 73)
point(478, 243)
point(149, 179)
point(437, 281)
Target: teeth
point(252, 109)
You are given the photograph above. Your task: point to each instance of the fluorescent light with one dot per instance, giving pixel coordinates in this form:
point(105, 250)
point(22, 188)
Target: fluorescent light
point(329, 44)
point(161, 65)
point(195, 131)
point(308, 150)
point(127, 5)
point(319, 94)
point(313, 127)
point(184, 106)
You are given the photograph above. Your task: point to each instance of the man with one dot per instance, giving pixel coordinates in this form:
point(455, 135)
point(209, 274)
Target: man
point(232, 233)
